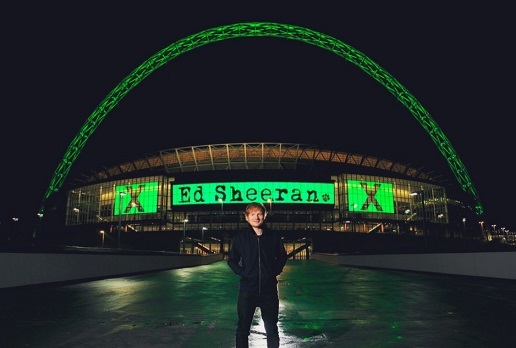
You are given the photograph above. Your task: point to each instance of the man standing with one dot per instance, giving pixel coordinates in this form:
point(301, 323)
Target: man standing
point(257, 256)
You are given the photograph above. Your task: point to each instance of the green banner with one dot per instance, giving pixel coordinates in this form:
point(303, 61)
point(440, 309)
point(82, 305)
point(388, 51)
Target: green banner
point(370, 196)
point(256, 191)
point(139, 198)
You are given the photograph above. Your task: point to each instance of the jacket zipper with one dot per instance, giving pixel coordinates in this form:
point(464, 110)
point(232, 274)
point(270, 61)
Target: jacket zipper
point(259, 267)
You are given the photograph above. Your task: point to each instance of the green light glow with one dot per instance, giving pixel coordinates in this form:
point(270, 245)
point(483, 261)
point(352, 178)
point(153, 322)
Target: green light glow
point(139, 198)
point(247, 192)
point(370, 196)
point(263, 29)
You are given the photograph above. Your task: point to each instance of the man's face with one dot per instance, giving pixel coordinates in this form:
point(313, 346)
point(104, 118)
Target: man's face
point(255, 218)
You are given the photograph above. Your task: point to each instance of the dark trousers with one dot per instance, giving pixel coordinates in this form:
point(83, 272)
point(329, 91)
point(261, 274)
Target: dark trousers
point(269, 308)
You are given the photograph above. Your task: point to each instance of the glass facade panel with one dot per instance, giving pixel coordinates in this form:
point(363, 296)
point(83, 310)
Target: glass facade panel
point(133, 202)
point(383, 198)
point(363, 203)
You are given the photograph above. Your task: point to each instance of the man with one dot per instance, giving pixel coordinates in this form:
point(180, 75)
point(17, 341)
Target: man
point(258, 256)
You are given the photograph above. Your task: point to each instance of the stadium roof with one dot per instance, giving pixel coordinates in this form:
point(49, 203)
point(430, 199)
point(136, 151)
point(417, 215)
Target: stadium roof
point(254, 156)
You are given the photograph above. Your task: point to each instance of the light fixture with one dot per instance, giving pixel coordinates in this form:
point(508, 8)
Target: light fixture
point(184, 233)
point(120, 195)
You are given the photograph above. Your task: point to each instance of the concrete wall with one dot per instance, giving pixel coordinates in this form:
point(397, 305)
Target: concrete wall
point(481, 264)
point(21, 269)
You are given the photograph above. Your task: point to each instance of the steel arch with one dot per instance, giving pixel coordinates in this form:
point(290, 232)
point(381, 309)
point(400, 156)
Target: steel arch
point(263, 29)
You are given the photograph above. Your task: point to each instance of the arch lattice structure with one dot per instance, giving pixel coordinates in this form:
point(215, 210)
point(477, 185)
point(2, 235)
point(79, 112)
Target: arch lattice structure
point(263, 29)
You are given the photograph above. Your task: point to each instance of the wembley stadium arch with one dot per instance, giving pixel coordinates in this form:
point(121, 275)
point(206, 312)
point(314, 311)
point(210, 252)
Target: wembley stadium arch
point(361, 201)
point(257, 29)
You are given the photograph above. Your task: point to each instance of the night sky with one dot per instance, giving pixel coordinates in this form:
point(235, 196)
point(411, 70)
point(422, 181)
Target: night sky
point(59, 63)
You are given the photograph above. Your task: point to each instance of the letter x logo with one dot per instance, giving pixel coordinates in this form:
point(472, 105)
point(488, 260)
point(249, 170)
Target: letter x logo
point(134, 203)
point(371, 196)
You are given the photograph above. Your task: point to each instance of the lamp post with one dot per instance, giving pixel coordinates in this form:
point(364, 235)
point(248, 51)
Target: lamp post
point(76, 211)
point(184, 233)
point(354, 206)
point(202, 236)
point(423, 212)
point(221, 213)
point(120, 195)
point(102, 234)
point(16, 220)
point(37, 228)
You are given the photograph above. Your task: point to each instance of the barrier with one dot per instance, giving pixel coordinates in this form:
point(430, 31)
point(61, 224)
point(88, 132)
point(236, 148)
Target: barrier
point(21, 269)
point(478, 264)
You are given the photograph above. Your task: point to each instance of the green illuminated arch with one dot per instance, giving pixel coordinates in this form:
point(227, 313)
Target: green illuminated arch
point(263, 29)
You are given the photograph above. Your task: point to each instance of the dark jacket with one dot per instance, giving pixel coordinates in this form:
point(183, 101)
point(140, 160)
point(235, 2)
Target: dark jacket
point(258, 260)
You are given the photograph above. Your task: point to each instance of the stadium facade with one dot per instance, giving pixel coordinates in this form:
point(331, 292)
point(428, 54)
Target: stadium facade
point(198, 193)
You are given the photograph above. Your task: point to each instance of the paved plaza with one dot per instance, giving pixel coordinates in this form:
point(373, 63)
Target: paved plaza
point(321, 305)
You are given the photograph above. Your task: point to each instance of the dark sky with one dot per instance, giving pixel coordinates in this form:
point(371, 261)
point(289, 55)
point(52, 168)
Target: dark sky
point(60, 62)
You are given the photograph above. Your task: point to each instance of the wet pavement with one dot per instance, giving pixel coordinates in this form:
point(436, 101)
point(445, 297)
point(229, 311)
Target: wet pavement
point(321, 305)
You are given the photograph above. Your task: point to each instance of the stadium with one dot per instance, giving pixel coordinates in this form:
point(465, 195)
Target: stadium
point(191, 199)
point(329, 199)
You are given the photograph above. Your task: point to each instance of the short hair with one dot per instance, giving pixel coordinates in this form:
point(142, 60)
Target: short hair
point(255, 205)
